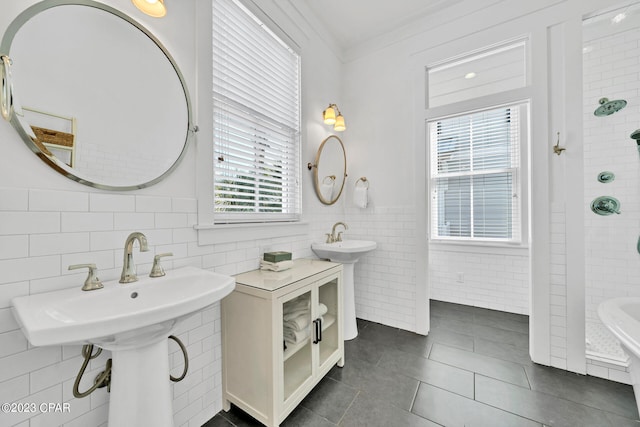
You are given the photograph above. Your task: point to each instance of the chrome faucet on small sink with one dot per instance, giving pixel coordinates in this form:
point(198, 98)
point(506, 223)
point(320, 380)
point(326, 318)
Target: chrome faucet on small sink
point(128, 267)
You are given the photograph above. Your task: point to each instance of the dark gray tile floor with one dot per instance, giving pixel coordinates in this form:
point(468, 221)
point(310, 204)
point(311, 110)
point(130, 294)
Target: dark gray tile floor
point(472, 370)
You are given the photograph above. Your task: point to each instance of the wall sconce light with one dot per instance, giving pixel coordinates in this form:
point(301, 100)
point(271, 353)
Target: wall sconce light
point(330, 118)
point(153, 8)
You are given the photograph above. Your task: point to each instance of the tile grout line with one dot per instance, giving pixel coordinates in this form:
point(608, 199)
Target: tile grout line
point(527, 377)
point(413, 400)
point(348, 407)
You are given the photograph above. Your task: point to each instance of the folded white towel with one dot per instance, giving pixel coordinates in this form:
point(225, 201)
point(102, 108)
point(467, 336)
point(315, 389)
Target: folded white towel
point(290, 315)
point(299, 303)
point(322, 309)
point(326, 188)
point(360, 196)
point(276, 266)
point(295, 337)
point(298, 323)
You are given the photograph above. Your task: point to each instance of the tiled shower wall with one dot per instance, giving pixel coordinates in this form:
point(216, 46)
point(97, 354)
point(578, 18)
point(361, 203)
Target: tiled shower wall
point(42, 232)
point(613, 263)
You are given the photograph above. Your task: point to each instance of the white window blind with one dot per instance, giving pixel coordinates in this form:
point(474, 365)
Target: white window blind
point(475, 163)
point(256, 85)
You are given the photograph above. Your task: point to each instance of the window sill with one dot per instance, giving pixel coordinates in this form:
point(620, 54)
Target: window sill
point(210, 234)
point(480, 247)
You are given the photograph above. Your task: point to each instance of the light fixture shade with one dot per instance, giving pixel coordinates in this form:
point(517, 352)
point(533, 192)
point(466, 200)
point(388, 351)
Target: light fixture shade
point(339, 126)
point(154, 8)
point(329, 115)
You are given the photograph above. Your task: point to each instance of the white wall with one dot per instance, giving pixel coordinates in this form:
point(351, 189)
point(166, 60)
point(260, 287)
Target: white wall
point(495, 279)
point(384, 97)
point(48, 222)
point(387, 101)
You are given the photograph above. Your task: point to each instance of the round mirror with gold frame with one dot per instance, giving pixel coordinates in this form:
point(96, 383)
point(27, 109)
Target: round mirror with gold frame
point(330, 170)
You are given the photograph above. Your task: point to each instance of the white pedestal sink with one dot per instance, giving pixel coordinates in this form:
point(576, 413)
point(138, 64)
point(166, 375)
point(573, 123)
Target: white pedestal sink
point(132, 320)
point(347, 252)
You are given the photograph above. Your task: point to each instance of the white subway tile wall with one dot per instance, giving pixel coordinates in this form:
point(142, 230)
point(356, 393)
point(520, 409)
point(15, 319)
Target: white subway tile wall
point(612, 268)
point(385, 279)
point(609, 371)
point(558, 287)
point(42, 232)
point(480, 278)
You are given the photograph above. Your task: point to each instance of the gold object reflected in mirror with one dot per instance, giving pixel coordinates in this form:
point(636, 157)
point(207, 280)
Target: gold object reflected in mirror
point(53, 134)
point(330, 170)
point(86, 60)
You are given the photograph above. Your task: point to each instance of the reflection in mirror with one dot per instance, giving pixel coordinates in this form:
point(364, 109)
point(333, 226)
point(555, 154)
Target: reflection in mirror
point(96, 96)
point(330, 170)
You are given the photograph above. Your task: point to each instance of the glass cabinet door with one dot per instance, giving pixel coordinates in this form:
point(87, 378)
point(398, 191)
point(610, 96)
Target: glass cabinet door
point(326, 317)
point(298, 334)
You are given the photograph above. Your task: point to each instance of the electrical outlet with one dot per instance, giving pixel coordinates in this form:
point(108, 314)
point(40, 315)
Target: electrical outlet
point(460, 277)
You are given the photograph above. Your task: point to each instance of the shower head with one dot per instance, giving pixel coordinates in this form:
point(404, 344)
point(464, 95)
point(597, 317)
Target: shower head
point(607, 107)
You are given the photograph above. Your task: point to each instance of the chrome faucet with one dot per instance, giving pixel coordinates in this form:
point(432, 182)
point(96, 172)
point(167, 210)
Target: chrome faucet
point(128, 267)
point(332, 238)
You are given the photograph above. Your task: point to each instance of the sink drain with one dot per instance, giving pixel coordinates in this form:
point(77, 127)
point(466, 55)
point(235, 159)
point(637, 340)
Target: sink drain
point(134, 295)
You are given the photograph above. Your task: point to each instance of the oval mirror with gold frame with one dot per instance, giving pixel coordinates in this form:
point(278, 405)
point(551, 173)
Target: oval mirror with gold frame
point(96, 95)
point(330, 170)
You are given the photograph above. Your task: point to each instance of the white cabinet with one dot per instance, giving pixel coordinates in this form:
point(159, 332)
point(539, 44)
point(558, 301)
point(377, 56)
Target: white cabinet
point(281, 333)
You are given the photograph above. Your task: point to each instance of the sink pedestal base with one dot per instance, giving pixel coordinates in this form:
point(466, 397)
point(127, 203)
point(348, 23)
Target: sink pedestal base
point(346, 252)
point(140, 387)
point(350, 325)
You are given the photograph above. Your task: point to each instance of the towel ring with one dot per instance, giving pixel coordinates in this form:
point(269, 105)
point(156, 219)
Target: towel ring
point(6, 89)
point(331, 178)
point(365, 181)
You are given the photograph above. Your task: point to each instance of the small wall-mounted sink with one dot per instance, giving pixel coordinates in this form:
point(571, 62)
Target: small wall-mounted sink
point(345, 251)
point(133, 320)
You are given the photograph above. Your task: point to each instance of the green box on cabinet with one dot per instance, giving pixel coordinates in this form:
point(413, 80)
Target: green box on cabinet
point(277, 256)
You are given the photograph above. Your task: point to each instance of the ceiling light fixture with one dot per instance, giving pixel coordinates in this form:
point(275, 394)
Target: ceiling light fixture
point(330, 118)
point(618, 18)
point(470, 75)
point(154, 8)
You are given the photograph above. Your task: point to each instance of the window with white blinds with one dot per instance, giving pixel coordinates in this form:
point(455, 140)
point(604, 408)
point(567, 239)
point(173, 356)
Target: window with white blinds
point(475, 164)
point(256, 99)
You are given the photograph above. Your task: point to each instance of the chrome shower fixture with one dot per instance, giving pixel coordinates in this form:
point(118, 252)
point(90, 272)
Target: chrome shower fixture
point(607, 107)
point(605, 205)
point(606, 177)
point(636, 135)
